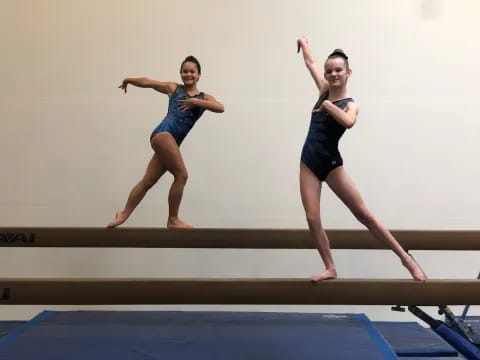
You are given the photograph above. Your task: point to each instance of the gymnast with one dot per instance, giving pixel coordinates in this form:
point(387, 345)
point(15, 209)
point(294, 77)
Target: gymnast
point(321, 162)
point(186, 105)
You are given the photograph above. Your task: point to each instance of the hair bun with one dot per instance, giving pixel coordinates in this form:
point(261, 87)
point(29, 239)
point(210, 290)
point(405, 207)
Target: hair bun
point(191, 58)
point(339, 52)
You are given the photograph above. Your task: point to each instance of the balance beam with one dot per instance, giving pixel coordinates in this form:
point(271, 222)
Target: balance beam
point(109, 291)
point(230, 238)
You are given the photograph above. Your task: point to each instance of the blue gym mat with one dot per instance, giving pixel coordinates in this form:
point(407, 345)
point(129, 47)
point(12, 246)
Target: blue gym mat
point(132, 335)
point(413, 340)
point(6, 327)
point(459, 357)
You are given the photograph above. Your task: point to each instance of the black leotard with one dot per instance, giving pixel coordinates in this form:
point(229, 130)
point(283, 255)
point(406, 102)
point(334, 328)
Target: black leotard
point(320, 152)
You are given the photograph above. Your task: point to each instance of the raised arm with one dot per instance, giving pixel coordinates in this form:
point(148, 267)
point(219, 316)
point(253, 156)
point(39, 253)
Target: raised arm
point(312, 66)
point(163, 87)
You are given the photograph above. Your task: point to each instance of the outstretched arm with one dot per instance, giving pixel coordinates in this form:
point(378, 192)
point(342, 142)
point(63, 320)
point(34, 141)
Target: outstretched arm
point(163, 87)
point(311, 64)
point(209, 103)
point(347, 117)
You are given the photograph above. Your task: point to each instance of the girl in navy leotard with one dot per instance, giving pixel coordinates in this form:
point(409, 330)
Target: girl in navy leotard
point(334, 112)
point(186, 105)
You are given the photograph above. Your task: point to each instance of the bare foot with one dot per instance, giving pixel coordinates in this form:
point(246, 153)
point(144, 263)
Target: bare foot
point(414, 269)
point(326, 275)
point(176, 223)
point(120, 218)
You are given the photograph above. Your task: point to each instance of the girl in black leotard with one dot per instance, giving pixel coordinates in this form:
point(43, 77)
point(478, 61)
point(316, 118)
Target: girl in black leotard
point(334, 112)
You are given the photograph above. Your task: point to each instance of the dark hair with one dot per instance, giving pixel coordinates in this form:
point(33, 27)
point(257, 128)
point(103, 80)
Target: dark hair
point(338, 53)
point(194, 60)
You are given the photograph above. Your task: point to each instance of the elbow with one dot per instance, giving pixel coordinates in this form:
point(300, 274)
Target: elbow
point(220, 109)
point(349, 121)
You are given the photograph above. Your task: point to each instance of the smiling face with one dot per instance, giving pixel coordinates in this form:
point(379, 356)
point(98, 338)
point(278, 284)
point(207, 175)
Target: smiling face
point(336, 72)
point(189, 73)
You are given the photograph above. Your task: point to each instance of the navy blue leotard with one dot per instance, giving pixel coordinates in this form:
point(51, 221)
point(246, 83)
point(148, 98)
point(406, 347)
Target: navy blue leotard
point(178, 122)
point(320, 151)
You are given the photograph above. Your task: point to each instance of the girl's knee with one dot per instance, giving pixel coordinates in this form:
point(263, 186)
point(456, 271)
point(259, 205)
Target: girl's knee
point(313, 218)
point(181, 176)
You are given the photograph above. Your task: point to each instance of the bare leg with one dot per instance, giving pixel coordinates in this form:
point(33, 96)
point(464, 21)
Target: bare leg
point(343, 186)
point(154, 171)
point(165, 146)
point(310, 189)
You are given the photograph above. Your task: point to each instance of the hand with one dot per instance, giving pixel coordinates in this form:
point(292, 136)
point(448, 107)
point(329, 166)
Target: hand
point(187, 104)
point(322, 106)
point(302, 40)
point(124, 85)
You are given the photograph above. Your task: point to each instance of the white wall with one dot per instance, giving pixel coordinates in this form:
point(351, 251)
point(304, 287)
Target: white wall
point(72, 144)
